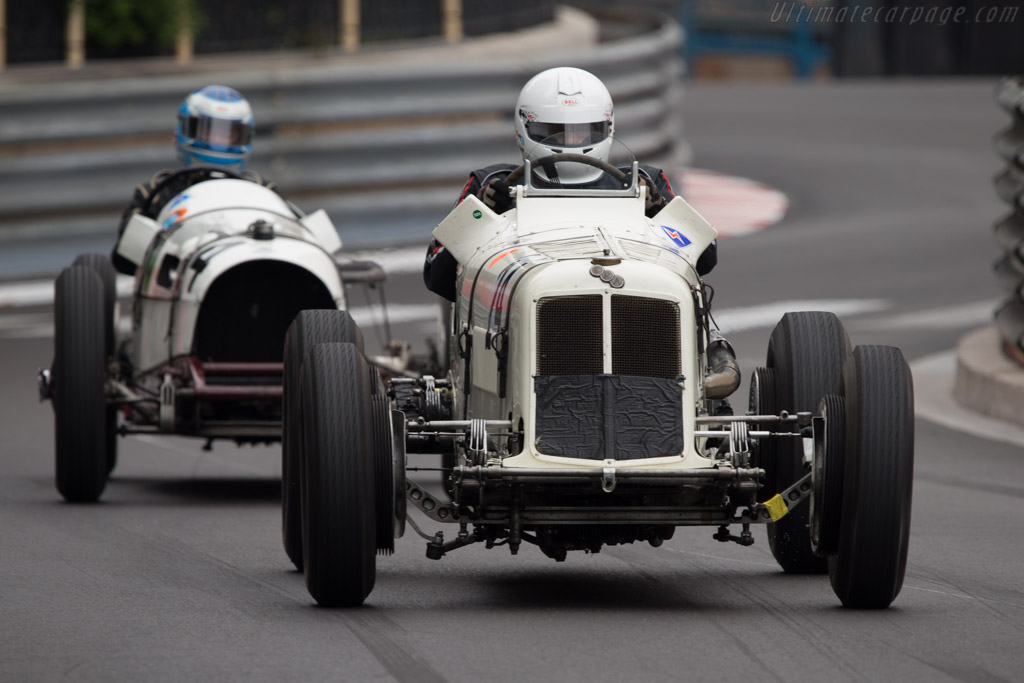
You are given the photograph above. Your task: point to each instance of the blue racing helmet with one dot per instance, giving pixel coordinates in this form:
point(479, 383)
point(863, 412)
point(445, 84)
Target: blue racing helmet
point(215, 128)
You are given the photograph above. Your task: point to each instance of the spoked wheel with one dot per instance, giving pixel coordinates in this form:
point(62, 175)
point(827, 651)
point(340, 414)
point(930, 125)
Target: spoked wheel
point(871, 556)
point(338, 482)
point(307, 330)
point(389, 476)
point(79, 379)
point(827, 479)
point(762, 402)
point(806, 353)
point(102, 266)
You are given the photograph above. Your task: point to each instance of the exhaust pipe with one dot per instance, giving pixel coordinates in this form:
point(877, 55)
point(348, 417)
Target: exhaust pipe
point(723, 376)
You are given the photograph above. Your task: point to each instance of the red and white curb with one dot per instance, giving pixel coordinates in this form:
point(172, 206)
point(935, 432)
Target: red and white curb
point(734, 206)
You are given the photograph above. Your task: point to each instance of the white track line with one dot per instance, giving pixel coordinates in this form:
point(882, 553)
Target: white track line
point(766, 315)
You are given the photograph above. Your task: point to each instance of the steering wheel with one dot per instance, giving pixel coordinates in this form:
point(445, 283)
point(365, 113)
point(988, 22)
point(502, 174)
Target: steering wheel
point(199, 174)
point(601, 164)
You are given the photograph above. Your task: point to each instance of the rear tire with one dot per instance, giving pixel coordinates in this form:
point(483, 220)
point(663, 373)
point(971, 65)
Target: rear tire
point(79, 391)
point(868, 570)
point(338, 492)
point(307, 330)
point(806, 352)
point(102, 266)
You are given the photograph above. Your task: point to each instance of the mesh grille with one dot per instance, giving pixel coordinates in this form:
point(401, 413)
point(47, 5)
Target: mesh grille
point(569, 335)
point(645, 337)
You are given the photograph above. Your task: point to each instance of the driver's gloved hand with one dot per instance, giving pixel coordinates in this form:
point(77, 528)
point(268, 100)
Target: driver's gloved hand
point(654, 201)
point(496, 196)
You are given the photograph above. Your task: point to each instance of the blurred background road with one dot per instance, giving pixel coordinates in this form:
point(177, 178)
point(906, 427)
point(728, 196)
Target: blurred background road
point(179, 573)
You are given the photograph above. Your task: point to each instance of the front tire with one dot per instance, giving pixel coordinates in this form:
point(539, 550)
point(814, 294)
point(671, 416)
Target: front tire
point(338, 499)
point(867, 571)
point(79, 385)
point(806, 352)
point(309, 328)
point(102, 266)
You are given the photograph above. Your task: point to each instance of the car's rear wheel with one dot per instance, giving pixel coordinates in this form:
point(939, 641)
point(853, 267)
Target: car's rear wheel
point(338, 483)
point(307, 330)
point(79, 379)
point(868, 568)
point(102, 266)
point(806, 352)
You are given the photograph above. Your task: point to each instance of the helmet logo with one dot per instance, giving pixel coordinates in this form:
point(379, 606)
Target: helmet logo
point(523, 114)
point(570, 101)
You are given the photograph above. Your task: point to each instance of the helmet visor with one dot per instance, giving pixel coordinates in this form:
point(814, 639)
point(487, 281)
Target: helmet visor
point(218, 132)
point(568, 134)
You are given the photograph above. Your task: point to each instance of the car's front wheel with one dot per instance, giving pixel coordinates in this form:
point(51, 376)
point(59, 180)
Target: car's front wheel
point(81, 415)
point(870, 562)
point(309, 328)
point(102, 266)
point(339, 541)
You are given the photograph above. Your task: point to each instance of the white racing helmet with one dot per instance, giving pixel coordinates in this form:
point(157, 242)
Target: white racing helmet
point(215, 126)
point(565, 109)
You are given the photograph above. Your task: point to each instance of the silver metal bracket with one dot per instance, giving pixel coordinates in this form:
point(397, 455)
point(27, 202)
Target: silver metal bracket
point(430, 506)
point(608, 479)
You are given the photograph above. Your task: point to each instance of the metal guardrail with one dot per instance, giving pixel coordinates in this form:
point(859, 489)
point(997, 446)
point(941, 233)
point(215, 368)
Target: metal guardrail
point(1009, 232)
point(374, 145)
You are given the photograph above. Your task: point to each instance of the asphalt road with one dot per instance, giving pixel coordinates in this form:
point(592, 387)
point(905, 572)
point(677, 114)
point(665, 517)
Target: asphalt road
point(179, 573)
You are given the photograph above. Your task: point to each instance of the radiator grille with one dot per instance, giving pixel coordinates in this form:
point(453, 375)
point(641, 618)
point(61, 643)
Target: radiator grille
point(645, 337)
point(569, 339)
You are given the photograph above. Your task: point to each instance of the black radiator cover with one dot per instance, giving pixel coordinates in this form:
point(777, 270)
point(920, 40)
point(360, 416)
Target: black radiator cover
point(608, 417)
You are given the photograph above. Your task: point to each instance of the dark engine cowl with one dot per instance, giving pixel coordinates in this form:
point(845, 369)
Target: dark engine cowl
point(247, 310)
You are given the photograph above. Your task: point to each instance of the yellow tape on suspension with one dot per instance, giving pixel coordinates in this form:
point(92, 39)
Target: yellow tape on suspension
point(776, 507)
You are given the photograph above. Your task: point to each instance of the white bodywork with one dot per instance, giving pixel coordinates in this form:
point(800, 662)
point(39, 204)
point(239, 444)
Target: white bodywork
point(201, 234)
point(545, 247)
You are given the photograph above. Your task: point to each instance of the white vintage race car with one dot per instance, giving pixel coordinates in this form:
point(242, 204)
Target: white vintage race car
point(581, 410)
point(222, 271)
